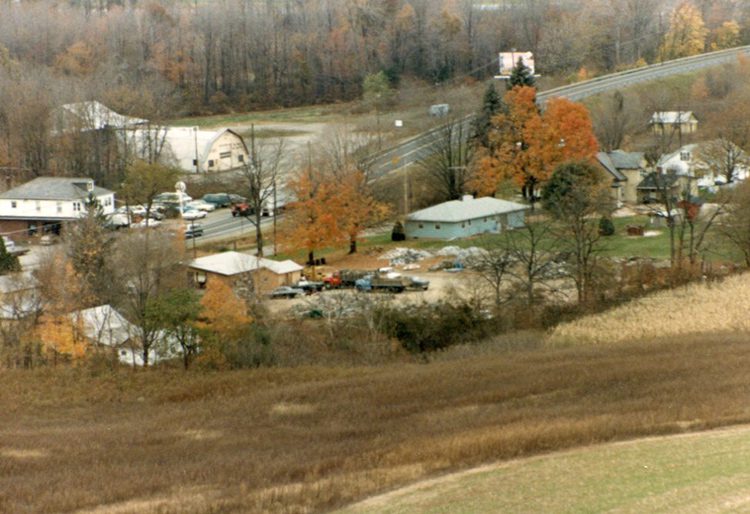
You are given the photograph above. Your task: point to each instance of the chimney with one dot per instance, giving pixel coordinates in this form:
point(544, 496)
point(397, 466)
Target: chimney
point(466, 198)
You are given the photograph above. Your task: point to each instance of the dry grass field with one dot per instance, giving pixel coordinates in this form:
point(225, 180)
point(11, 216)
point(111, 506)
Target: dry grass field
point(711, 308)
point(313, 439)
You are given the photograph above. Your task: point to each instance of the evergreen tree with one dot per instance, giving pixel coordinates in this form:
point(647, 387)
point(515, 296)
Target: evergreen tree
point(8, 261)
point(521, 76)
point(492, 104)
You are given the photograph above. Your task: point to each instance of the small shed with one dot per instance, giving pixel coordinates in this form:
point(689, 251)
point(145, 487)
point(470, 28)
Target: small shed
point(465, 217)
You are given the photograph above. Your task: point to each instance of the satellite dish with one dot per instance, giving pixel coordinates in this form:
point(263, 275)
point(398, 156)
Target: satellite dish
point(180, 186)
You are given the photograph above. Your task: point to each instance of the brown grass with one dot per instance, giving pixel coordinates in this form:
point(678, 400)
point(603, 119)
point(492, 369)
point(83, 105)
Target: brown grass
point(309, 439)
point(711, 308)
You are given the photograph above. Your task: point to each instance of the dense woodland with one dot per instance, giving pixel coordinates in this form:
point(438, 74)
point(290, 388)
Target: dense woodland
point(163, 59)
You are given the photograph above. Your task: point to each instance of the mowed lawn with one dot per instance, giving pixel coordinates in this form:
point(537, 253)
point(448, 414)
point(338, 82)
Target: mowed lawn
point(314, 439)
point(701, 472)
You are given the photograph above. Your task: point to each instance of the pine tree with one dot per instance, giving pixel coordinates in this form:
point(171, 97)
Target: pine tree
point(492, 104)
point(8, 261)
point(521, 76)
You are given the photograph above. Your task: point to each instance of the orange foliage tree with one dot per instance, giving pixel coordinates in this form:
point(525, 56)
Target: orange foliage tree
point(60, 336)
point(526, 145)
point(222, 322)
point(355, 207)
point(313, 219)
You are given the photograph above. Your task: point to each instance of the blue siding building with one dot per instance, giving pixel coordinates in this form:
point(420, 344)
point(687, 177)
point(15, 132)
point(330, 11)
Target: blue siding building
point(466, 217)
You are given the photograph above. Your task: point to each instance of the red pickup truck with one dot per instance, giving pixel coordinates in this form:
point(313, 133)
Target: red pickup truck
point(241, 209)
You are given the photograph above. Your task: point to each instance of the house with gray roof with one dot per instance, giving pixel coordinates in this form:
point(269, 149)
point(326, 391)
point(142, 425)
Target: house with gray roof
point(626, 170)
point(45, 203)
point(465, 217)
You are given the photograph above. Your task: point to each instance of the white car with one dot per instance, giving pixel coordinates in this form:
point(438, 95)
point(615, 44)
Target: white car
point(202, 206)
point(147, 223)
point(192, 214)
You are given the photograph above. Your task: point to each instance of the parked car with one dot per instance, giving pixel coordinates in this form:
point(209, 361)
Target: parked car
point(146, 223)
point(172, 198)
point(117, 220)
point(193, 230)
point(218, 199)
point(309, 287)
point(202, 206)
point(286, 292)
point(233, 198)
point(189, 214)
point(241, 209)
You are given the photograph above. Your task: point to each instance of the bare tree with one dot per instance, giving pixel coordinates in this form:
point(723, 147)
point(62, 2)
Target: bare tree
point(261, 175)
point(492, 265)
point(447, 165)
point(721, 158)
point(148, 266)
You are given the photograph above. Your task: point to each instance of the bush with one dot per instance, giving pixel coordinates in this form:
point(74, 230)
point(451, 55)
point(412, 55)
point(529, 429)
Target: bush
point(429, 327)
point(606, 226)
point(398, 233)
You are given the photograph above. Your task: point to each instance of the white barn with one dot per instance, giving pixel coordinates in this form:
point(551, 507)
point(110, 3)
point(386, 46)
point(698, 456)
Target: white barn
point(191, 149)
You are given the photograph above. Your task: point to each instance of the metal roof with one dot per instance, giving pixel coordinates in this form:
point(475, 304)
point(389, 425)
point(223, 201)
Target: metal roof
point(96, 116)
point(234, 263)
point(54, 188)
point(672, 117)
point(467, 208)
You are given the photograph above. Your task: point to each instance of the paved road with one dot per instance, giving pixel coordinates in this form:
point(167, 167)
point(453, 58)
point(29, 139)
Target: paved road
point(413, 149)
point(221, 225)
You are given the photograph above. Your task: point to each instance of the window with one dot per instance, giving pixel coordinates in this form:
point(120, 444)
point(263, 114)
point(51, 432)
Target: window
point(59, 207)
point(463, 225)
point(469, 222)
point(210, 163)
point(685, 156)
point(241, 158)
point(225, 155)
point(76, 206)
point(195, 162)
point(421, 225)
point(38, 205)
point(437, 227)
point(14, 204)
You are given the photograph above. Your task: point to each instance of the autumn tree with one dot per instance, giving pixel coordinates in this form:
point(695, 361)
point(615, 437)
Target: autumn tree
point(311, 221)
point(223, 323)
point(528, 145)
point(734, 227)
point(687, 33)
point(355, 206)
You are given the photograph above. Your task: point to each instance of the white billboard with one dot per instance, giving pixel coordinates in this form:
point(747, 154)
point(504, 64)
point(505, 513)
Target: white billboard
point(508, 61)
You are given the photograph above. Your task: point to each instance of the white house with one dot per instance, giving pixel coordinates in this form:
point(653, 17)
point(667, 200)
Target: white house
point(465, 217)
point(105, 326)
point(45, 203)
point(191, 149)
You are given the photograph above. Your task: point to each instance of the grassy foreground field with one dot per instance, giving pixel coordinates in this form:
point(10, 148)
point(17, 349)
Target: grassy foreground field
point(703, 472)
point(312, 439)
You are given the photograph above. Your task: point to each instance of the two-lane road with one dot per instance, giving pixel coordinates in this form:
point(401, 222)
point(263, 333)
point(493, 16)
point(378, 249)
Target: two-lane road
point(416, 148)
